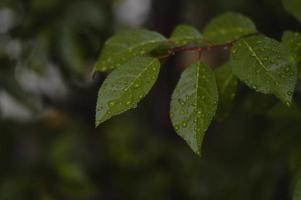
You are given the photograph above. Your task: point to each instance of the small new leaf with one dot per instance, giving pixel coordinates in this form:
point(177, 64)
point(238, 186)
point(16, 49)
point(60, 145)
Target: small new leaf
point(125, 87)
point(185, 34)
point(126, 44)
point(193, 104)
point(266, 66)
point(227, 84)
point(293, 7)
point(228, 27)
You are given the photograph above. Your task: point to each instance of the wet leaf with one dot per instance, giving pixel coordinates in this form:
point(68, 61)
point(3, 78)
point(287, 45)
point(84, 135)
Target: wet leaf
point(185, 34)
point(193, 104)
point(266, 66)
point(125, 87)
point(293, 41)
point(227, 28)
point(126, 44)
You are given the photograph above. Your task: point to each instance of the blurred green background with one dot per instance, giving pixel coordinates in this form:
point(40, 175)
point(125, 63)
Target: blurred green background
point(49, 148)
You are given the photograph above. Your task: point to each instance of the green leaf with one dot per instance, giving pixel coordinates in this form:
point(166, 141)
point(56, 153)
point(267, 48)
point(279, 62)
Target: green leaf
point(125, 87)
point(297, 190)
point(185, 34)
point(228, 27)
point(293, 41)
point(127, 44)
point(227, 84)
point(193, 104)
point(293, 7)
point(266, 66)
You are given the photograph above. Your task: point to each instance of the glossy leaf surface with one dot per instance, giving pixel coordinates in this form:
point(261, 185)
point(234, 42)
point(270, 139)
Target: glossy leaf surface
point(193, 104)
point(185, 34)
point(125, 87)
point(228, 27)
point(126, 44)
point(266, 66)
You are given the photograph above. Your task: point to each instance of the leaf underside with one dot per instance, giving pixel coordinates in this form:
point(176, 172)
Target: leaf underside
point(193, 104)
point(125, 87)
point(228, 27)
point(266, 66)
point(126, 44)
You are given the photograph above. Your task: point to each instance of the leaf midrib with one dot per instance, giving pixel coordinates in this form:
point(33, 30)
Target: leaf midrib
point(124, 90)
point(197, 105)
point(259, 60)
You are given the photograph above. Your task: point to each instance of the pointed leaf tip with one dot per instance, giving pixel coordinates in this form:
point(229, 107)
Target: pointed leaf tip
point(266, 66)
point(125, 87)
point(193, 104)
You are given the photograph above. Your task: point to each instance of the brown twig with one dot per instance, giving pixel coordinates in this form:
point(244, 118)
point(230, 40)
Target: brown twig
point(200, 50)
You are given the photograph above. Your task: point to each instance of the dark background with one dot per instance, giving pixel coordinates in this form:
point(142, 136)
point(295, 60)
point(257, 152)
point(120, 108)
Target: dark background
point(49, 148)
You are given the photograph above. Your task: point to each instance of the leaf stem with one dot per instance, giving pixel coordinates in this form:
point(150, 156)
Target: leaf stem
point(200, 50)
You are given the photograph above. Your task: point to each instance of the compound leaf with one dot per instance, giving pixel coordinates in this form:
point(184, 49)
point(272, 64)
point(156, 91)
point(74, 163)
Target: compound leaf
point(227, 84)
point(125, 87)
point(193, 104)
point(293, 7)
point(228, 27)
point(185, 34)
point(127, 44)
point(266, 66)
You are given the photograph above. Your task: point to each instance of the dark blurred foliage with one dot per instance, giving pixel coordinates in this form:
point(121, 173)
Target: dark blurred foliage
point(49, 148)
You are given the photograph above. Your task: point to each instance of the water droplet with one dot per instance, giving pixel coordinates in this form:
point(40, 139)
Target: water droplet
point(184, 124)
point(128, 103)
point(111, 103)
point(176, 128)
point(136, 85)
point(287, 103)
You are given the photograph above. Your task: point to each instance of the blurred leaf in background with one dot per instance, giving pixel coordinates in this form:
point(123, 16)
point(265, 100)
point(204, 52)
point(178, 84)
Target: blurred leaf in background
point(49, 148)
